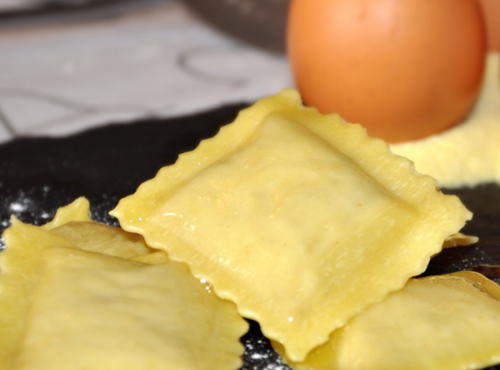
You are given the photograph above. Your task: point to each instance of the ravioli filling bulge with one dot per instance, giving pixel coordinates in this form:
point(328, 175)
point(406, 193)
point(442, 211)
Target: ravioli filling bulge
point(281, 198)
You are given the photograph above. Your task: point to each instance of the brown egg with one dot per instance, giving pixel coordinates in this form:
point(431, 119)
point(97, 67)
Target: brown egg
point(492, 14)
point(403, 69)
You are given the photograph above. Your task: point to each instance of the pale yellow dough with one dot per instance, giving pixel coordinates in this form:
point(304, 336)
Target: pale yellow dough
point(104, 239)
point(73, 223)
point(20, 272)
point(447, 322)
point(65, 308)
point(98, 312)
point(469, 153)
point(78, 210)
point(289, 213)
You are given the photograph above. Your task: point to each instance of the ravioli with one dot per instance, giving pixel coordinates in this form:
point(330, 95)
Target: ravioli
point(289, 213)
point(469, 153)
point(104, 239)
point(20, 271)
point(459, 240)
point(62, 307)
point(78, 210)
point(447, 322)
point(99, 312)
point(73, 223)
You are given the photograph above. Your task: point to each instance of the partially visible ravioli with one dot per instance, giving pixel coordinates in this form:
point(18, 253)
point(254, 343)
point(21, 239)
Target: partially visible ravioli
point(104, 239)
point(459, 240)
point(469, 153)
point(447, 322)
point(73, 223)
point(99, 312)
point(65, 308)
point(20, 272)
point(289, 213)
point(78, 210)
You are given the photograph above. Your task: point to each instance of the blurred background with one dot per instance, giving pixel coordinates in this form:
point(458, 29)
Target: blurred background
point(69, 65)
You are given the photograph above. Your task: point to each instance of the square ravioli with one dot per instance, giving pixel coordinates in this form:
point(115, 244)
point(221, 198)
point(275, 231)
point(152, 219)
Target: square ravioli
point(69, 306)
point(93, 311)
point(289, 213)
point(445, 322)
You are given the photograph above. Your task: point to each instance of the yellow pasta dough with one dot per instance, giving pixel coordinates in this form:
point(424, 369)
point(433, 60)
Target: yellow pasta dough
point(447, 322)
point(78, 210)
point(104, 239)
point(65, 308)
point(98, 312)
point(289, 213)
point(155, 258)
point(73, 223)
point(20, 271)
